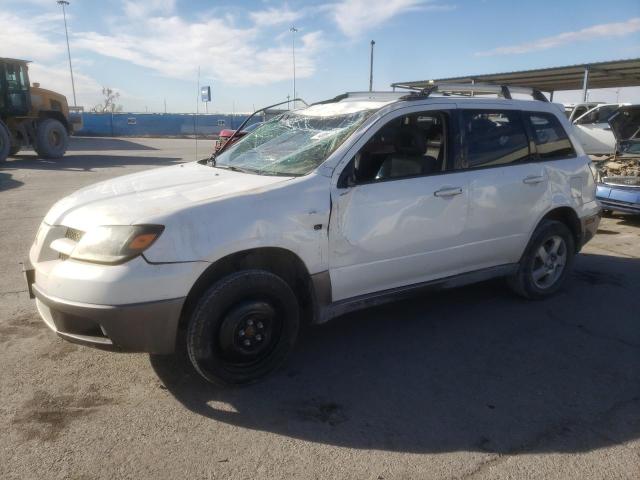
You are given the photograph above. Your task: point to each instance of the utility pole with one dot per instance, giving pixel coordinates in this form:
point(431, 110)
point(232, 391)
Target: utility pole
point(64, 3)
point(371, 68)
point(293, 31)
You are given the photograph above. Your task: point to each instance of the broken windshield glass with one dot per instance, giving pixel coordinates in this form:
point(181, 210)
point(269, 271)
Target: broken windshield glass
point(292, 144)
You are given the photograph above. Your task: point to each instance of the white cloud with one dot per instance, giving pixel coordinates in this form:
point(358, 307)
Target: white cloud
point(597, 31)
point(39, 40)
point(19, 39)
point(136, 9)
point(354, 17)
point(58, 79)
point(175, 48)
point(275, 16)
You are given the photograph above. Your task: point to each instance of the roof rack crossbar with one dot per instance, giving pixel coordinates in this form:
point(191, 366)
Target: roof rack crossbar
point(470, 89)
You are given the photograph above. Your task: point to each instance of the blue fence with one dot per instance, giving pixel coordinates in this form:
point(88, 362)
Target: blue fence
point(157, 124)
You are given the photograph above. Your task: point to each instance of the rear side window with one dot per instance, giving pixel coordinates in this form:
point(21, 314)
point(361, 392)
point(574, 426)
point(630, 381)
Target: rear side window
point(552, 141)
point(494, 138)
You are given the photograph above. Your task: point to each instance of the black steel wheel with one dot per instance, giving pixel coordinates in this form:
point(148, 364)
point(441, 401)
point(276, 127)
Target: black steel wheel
point(243, 327)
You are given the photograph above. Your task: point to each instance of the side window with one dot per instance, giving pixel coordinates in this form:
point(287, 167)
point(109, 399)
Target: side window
point(493, 138)
point(408, 146)
point(598, 115)
point(552, 142)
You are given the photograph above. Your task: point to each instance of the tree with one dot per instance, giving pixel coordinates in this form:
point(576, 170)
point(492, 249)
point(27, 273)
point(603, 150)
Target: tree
point(109, 103)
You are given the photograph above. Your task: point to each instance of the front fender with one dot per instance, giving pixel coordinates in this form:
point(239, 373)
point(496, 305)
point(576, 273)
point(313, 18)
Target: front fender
point(293, 216)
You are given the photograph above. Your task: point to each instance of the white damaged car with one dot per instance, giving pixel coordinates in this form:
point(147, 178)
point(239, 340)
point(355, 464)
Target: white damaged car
point(320, 211)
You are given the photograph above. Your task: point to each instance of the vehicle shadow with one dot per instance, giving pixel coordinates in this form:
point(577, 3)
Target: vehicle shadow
point(104, 143)
point(472, 369)
point(85, 163)
point(7, 182)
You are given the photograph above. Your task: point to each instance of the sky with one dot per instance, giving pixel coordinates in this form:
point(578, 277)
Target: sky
point(150, 51)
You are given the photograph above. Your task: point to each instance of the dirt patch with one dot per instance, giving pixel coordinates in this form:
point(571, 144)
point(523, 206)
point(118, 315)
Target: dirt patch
point(316, 410)
point(59, 349)
point(22, 326)
point(45, 415)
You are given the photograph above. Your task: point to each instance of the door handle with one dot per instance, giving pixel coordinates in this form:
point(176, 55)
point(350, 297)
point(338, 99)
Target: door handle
point(448, 192)
point(533, 180)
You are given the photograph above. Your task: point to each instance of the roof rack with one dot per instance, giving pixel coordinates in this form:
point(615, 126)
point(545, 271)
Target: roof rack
point(469, 90)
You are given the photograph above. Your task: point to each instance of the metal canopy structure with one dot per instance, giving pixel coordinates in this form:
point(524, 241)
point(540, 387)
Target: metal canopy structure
point(612, 74)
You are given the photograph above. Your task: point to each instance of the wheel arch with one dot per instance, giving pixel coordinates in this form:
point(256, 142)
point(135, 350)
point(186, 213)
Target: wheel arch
point(56, 116)
point(569, 217)
point(280, 261)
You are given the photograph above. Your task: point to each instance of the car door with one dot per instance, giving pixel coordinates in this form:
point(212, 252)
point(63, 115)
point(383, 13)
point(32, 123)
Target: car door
point(508, 189)
point(398, 215)
point(594, 131)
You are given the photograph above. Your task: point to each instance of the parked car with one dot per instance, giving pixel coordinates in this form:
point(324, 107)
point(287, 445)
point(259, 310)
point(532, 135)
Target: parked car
point(576, 110)
point(593, 129)
point(619, 177)
point(343, 205)
point(226, 134)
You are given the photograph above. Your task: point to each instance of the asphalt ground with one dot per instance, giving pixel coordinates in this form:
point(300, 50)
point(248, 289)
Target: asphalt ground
point(468, 383)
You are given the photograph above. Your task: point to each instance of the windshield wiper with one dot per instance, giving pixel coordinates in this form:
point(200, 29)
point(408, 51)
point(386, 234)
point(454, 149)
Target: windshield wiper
point(233, 168)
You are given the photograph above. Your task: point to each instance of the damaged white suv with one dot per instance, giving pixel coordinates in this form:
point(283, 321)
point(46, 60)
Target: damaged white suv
point(317, 212)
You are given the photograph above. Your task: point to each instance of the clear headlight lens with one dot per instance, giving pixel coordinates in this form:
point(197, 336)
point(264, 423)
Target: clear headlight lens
point(114, 244)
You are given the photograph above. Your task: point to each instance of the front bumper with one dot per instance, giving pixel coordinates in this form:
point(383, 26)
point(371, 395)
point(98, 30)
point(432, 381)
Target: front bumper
point(589, 226)
point(141, 327)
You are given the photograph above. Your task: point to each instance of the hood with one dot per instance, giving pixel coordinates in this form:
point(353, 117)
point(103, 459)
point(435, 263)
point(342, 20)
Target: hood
point(625, 123)
point(133, 198)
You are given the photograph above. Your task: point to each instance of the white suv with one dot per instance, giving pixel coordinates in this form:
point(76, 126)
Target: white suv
point(317, 212)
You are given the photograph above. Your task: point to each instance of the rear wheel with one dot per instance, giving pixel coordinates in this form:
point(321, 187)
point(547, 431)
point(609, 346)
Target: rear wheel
point(243, 327)
point(51, 139)
point(5, 142)
point(546, 263)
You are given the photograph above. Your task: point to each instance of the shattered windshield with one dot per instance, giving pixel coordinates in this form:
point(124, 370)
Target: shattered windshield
point(293, 144)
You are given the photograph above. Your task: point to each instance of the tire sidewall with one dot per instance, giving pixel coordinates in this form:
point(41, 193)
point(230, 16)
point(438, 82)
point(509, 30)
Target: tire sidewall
point(43, 148)
point(5, 142)
point(546, 230)
point(205, 322)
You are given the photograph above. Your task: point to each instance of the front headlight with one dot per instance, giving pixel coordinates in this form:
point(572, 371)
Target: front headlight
point(115, 244)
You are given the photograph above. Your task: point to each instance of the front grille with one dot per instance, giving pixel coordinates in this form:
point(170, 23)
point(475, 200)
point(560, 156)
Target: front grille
point(73, 234)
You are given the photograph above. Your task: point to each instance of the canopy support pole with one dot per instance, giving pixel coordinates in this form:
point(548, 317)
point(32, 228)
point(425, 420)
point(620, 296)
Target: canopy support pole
point(585, 84)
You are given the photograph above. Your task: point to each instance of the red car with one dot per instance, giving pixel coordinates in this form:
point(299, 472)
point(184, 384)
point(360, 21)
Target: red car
point(225, 135)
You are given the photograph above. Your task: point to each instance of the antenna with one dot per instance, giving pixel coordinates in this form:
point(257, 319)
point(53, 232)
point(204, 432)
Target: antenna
point(195, 123)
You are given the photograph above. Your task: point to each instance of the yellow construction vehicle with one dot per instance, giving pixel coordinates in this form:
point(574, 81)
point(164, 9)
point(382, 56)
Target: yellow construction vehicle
point(30, 115)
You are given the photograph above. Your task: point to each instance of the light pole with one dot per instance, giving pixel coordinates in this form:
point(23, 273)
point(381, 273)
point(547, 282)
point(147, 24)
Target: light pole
point(371, 67)
point(63, 3)
point(293, 31)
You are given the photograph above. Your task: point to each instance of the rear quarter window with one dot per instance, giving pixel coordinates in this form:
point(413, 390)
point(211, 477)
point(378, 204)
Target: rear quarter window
point(551, 139)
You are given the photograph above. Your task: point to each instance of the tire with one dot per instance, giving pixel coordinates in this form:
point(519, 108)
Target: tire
point(243, 328)
point(51, 139)
point(536, 279)
point(14, 151)
point(5, 142)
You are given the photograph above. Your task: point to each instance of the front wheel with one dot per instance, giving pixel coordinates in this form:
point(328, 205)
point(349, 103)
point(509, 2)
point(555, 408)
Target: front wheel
point(243, 327)
point(51, 139)
point(5, 142)
point(546, 263)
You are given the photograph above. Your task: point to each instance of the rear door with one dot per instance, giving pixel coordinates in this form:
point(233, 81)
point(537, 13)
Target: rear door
point(508, 188)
